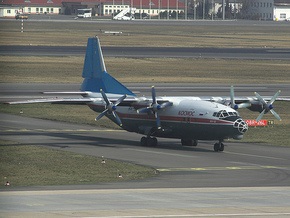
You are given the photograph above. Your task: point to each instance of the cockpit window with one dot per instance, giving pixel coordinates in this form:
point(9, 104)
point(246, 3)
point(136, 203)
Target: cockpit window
point(224, 114)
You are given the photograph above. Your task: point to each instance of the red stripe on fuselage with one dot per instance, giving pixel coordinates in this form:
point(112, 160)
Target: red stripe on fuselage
point(182, 119)
point(174, 119)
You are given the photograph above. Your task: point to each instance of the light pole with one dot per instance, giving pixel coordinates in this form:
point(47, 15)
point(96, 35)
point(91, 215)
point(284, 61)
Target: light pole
point(167, 9)
point(194, 9)
point(224, 7)
point(203, 9)
point(212, 9)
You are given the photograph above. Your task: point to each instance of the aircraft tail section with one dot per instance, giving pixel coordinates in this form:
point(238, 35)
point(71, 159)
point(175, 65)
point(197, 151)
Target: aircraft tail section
point(95, 74)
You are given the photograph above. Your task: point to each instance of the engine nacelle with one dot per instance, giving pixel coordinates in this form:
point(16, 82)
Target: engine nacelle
point(256, 106)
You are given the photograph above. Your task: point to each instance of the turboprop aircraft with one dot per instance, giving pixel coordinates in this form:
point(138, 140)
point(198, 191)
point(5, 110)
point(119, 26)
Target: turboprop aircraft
point(187, 118)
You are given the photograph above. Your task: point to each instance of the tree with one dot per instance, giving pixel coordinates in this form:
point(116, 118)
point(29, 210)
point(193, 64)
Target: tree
point(245, 12)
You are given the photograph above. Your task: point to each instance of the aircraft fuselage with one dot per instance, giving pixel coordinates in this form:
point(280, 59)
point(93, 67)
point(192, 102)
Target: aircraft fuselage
point(187, 118)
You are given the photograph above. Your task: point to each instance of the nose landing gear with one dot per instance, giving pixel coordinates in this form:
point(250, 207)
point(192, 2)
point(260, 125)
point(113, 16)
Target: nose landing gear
point(219, 146)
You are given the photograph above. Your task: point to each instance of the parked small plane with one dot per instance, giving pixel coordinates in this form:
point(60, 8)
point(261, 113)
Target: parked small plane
point(187, 118)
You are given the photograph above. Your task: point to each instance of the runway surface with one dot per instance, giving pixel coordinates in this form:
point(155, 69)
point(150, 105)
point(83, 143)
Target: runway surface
point(20, 91)
point(147, 52)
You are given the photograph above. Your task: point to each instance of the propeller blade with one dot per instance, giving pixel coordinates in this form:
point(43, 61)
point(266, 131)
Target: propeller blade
point(274, 97)
point(105, 97)
point(154, 107)
point(158, 123)
point(233, 103)
point(120, 100)
point(260, 99)
point(101, 115)
point(117, 118)
point(143, 110)
point(111, 107)
point(260, 115)
point(232, 95)
point(153, 95)
point(268, 106)
point(275, 115)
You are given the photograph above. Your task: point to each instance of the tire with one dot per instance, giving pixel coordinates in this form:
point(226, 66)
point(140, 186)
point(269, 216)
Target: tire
point(222, 147)
point(152, 142)
point(143, 141)
point(216, 147)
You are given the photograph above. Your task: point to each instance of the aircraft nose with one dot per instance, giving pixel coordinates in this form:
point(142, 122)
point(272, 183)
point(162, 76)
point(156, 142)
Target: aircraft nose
point(241, 125)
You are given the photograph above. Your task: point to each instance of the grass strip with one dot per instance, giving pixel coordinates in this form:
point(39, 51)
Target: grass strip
point(174, 34)
point(25, 165)
point(151, 70)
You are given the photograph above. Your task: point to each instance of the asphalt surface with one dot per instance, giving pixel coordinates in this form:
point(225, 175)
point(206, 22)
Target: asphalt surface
point(20, 91)
point(143, 52)
point(244, 180)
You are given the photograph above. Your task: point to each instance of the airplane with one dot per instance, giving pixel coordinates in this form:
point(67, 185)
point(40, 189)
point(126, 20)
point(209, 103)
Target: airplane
point(186, 118)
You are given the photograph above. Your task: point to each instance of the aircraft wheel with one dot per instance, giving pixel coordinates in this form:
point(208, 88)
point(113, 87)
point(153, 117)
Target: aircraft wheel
point(195, 142)
point(222, 147)
point(152, 141)
point(183, 142)
point(216, 147)
point(219, 146)
point(143, 141)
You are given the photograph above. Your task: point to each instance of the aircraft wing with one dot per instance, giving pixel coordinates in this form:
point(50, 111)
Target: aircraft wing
point(54, 101)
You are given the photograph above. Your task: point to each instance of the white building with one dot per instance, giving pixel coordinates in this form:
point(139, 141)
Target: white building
point(281, 11)
point(9, 8)
point(278, 10)
point(109, 9)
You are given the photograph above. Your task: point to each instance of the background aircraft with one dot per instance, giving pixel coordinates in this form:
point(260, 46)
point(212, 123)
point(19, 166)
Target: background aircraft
point(187, 118)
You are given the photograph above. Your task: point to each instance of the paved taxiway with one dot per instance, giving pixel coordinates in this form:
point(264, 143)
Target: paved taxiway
point(192, 182)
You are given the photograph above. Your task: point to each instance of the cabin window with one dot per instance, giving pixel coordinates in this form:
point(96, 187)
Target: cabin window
point(223, 114)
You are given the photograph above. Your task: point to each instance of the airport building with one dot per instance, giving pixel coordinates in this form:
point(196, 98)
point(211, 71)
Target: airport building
point(9, 8)
point(278, 10)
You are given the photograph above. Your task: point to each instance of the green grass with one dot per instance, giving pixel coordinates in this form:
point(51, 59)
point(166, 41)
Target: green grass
point(35, 165)
point(193, 34)
point(68, 113)
point(151, 70)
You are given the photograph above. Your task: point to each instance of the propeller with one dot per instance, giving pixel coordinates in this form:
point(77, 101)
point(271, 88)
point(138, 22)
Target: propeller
point(233, 104)
point(155, 107)
point(268, 106)
point(111, 107)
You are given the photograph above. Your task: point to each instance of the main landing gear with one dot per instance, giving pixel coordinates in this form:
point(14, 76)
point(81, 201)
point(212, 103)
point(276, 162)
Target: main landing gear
point(149, 141)
point(219, 146)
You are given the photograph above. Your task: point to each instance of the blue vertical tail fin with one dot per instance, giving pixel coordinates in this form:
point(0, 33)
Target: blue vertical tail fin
point(95, 74)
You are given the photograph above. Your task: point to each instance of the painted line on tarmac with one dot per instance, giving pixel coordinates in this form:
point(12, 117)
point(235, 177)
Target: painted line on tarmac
point(159, 152)
point(221, 168)
point(200, 215)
